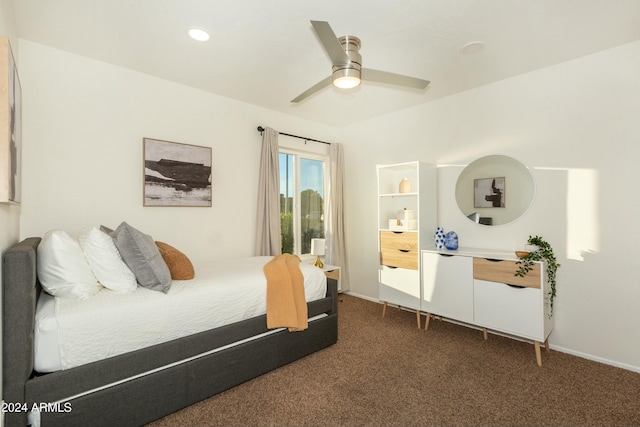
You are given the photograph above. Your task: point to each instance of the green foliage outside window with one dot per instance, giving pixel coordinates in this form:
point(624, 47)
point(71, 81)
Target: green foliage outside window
point(286, 232)
point(311, 228)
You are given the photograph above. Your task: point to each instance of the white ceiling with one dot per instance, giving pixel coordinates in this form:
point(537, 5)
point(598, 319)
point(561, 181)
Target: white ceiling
point(265, 52)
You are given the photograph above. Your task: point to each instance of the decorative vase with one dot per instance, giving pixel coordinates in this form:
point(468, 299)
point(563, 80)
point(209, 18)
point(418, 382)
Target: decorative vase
point(405, 186)
point(408, 214)
point(439, 236)
point(451, 241)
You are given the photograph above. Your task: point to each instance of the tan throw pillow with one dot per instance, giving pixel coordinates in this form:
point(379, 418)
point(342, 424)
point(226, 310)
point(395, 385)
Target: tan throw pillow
point(179, 265)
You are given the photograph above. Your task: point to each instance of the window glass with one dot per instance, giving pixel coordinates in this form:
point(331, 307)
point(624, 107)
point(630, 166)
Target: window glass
point(301, 201)
point(286, 202)
point(311, 202)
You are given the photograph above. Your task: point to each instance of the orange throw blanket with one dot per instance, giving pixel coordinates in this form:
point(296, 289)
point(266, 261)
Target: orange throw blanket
point(286, 303)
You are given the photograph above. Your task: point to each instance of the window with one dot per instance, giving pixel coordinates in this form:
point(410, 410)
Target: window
point(302, 192)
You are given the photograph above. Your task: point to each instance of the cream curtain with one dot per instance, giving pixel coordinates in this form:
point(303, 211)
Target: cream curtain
point(268, 240)
point(336, 236)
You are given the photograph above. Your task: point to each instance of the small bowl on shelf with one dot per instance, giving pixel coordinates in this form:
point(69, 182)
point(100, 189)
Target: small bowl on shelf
point(521, 254)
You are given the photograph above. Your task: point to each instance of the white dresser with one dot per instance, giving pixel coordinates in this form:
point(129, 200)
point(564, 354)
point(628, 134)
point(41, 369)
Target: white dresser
point(479, 287)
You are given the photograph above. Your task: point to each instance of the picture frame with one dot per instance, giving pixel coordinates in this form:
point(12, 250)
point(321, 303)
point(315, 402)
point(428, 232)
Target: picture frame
point(489, 192)
point(176, 174)
point(10, 127)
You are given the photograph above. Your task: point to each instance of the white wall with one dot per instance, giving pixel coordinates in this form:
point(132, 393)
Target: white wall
point(84, 123)
point(576, 125)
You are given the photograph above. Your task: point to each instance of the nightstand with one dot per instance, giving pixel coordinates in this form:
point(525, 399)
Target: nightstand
point(332, 272)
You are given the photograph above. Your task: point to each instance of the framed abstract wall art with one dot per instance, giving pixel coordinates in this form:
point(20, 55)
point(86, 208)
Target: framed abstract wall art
point(489, 193)
point(10, 126)
point(176, 174)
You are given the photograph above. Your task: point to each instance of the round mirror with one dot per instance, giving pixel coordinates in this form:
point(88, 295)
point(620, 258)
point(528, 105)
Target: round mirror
point(494, 190)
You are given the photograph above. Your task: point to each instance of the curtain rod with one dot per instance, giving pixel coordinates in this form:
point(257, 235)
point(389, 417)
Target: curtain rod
point(261, 129)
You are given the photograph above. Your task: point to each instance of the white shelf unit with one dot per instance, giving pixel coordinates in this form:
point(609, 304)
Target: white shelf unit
point(399, 250)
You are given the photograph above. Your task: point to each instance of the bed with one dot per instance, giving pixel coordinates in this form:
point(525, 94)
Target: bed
point(139, 386)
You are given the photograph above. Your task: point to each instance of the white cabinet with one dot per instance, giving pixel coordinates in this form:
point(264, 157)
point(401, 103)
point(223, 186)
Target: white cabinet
point(514, 310)
point(480, 287)
point(447, 286)
point(398, 285)
point(406, 222)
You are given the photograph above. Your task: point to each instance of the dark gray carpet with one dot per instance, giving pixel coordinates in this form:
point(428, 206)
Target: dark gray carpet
point(386, 372)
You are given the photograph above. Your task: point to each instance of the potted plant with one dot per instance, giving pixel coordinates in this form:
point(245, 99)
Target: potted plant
point(543, 252)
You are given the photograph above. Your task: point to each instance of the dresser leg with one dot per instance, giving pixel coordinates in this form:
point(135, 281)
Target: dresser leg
point(485, 334)
point(384, 309)
point(538, 355)
point(546, 345)
point(418, 318)
point(426, 321)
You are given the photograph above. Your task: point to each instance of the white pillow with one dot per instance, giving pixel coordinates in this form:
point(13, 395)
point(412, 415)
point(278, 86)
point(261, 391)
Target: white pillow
point(106, 262)
point(63, 269)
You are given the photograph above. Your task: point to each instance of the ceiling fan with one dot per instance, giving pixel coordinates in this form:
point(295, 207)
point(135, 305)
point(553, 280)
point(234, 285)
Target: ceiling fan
point(347, 71)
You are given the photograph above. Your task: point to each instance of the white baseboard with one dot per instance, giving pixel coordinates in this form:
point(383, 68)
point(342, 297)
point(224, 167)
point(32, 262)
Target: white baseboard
point(595, 358)
point(551, 346)
point(362, 297)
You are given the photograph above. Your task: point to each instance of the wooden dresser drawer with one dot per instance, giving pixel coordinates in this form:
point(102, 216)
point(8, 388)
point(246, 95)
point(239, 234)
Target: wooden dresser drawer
point(399, 240)
point(503, 271)
point(399, 249)
point(399, 258)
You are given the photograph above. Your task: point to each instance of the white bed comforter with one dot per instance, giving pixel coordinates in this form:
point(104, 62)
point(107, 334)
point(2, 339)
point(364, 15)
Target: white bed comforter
point(109, 323)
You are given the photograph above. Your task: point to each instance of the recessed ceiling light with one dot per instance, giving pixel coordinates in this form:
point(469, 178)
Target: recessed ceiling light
point(472, 47)
point(198, 34)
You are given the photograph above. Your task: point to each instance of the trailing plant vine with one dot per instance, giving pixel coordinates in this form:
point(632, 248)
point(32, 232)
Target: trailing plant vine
point(543, 253)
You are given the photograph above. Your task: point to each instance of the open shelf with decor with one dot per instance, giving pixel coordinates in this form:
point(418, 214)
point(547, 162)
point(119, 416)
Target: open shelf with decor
point(406, 219)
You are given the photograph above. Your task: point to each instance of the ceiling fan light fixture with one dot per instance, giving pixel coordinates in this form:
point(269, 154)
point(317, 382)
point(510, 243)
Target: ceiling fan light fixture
point(346, 78)
point(346, 72)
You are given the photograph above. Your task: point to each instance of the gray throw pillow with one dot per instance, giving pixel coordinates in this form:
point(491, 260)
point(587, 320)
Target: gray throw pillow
point(140, 253)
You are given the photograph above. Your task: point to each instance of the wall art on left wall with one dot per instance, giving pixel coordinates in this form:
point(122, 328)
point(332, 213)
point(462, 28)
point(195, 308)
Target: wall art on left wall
point(176, 174)
point(10, 126)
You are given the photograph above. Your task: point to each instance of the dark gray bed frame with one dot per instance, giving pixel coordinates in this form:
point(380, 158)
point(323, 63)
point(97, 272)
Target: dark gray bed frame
point(166, 382)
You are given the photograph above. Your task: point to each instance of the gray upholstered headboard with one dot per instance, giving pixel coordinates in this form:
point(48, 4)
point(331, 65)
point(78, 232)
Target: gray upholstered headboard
point(20, 296)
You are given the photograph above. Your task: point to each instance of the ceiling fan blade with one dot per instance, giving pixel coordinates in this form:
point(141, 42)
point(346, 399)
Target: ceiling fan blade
point(313, 89)
point(393, 79)
point(330, 43)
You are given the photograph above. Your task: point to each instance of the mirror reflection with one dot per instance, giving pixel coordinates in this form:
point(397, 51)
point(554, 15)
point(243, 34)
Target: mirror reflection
point(494, 190)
